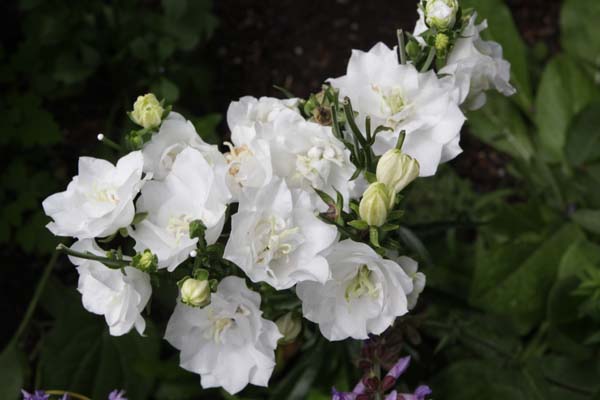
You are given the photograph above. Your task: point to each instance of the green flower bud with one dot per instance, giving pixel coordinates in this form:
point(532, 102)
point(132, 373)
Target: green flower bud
point(441, 14)
point(441, 42)
point(145, 261)
point(194, 292)
point(375, 204)
point(289, 326)
point(147, 111)
point(396, 169)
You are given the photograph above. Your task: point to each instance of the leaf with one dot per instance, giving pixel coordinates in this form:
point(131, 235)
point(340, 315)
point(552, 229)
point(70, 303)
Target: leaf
point(520, 292)
point(79, 354)
point(581, 255)
point(580, 32)
point(11, 372)
point(501, 125)
point(166, 89)
point(473, 379)
point(583, 140)
point(564, 91)
point(587, 219)
point(206, 126)
point(503, 30)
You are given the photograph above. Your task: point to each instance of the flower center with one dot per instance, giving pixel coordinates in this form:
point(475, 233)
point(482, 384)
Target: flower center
point(392, 103)
point(236, 157)
point(104, 194)
point(361, 285)
point(274, 240)
point(179, 225)
point(316, 163)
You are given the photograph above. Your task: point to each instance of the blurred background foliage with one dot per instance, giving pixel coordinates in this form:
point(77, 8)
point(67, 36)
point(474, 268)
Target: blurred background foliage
point(508, 234)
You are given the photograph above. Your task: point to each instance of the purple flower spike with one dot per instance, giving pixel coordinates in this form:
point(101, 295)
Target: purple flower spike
point(36, 395)
point(117, 395)
point(399, 368)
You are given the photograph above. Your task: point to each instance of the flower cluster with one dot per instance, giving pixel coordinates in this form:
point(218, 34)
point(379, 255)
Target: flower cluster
point(305, 201)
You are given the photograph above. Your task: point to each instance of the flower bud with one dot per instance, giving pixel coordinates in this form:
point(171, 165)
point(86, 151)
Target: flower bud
point(147, 111)
point(145, 261)
point(441, 42)
point(397, 170)
point(441, 14)
point(375, 204)
point(194, 292)
point(289, 326)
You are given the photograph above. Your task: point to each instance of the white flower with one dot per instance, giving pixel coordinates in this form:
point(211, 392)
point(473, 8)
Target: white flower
point(307, 155)
point(175, 135)
point(411, 267)
point(400, 97)
point(118, 295)
point(249, 111)
point(227, 343)
point(364, 296)
point(191, 191)
point(99, 200)
point(248, 159)
point(475, 66)
point(276, 237)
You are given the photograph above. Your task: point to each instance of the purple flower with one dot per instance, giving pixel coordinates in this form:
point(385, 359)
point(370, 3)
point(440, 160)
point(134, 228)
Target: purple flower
point(399, 368)
point(419, 394)
point(335, 395)
point(36, 395)
point(117, 395)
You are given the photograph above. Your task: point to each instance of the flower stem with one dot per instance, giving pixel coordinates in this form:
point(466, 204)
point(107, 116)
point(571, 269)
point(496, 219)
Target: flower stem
point(429, 60)
point(36, 297)
point(109, 262)
point(401, 46)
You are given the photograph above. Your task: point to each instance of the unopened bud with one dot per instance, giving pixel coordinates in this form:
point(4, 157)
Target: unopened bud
point(194, 292)
point(289, 326)
point(145, 261)
point(147, 111)
point(397, 169)
point(441, 14)
point(441, 42)
point(375, 204)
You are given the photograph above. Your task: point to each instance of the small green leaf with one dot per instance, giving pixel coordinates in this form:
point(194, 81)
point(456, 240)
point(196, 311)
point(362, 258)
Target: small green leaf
point(359, 224)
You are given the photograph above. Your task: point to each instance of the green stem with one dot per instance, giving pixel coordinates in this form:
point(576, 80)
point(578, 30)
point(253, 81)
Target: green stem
point(429, 60)
point(109, 262)
point(36, 297)
point(401, 46)
point(70, 394)
point(110, 143)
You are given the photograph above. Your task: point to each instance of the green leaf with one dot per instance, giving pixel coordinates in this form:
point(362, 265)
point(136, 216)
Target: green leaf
point(503, 30)
point(520, 291)
point(359, 224)
point(11, 372)
point(580, 32)
point(564, 91)
point(587, 219)
point(79, 354)
point(206, 126)
point(582, 254)
point(501, 125)
point(583, 140)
